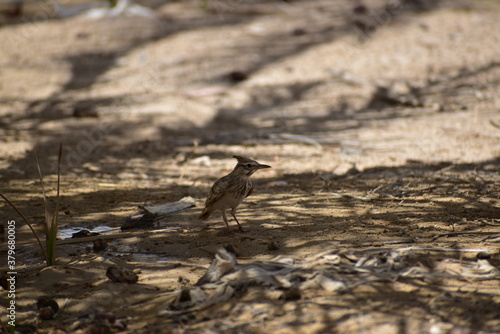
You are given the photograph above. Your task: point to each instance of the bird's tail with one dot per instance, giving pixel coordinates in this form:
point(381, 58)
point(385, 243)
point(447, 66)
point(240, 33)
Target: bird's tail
point(205, 214)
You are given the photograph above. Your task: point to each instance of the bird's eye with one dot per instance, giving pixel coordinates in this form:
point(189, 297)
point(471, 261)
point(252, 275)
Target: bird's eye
point(249, 165)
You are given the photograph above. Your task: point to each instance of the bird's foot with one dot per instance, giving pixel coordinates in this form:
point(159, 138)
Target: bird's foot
point(241, 230)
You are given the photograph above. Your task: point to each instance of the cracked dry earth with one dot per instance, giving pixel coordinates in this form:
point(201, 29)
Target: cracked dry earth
point(380, 214)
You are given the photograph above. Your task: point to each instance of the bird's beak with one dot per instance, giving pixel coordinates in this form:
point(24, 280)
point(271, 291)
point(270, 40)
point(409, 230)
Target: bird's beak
point(263, 166)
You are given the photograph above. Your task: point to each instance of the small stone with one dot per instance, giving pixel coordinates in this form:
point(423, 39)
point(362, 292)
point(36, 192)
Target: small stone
point(291, 294)
point(273, 245)
point(99, 245)
point(237, 76)
point(359, 9)
point(85, 111)
point(299, 32)
point(143, 221)
point(120, 275)
point(45, 301)
point(483, 256)
point(46, 313)
point(109, 317)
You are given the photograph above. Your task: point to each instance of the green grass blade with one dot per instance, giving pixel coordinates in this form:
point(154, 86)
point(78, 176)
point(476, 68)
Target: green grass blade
point(52, 234)
point(48, 217)
point(51, 242)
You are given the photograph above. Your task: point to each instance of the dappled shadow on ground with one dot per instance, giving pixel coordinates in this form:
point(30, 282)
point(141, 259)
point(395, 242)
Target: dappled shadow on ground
point(441, 210)
point(415, 203)
point(86, 138)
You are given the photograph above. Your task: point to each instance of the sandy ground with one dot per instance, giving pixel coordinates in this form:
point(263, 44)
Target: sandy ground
point(382, 128)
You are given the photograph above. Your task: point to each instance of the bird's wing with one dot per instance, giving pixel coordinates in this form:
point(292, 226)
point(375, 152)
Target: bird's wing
point(250, 191)
point(216, 192)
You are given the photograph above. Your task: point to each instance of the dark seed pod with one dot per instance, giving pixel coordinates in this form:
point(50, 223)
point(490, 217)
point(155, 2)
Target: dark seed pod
point(99, 245)
point(291, 294)
point(120, 275)
point(46, 313)
point(483, 256)
point(273, 245)
point(45, 301)
point(237, 76)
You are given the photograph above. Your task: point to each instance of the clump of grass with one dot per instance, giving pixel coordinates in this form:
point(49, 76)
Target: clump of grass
point(51, 220)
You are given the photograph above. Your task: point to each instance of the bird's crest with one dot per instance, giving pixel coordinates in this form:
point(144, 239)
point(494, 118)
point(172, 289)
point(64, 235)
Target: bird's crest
point(242, 160)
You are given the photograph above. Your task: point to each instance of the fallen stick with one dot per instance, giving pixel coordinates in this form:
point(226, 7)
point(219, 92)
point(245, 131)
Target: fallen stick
point(462, 233)
point(445, 249)
point(123, 234)
point(387, 242)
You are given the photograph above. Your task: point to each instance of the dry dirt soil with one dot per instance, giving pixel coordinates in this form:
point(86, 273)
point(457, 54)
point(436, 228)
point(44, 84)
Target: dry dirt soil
point(380, 120)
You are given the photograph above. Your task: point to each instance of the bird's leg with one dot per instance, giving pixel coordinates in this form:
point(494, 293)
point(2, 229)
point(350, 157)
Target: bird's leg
point(228, 231)
point(233, 213)
point(224, 217)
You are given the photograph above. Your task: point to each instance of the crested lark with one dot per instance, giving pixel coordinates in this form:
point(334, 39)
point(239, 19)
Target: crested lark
point(229, 191)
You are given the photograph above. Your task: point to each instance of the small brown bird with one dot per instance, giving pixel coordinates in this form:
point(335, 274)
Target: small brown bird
point(230, 190)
